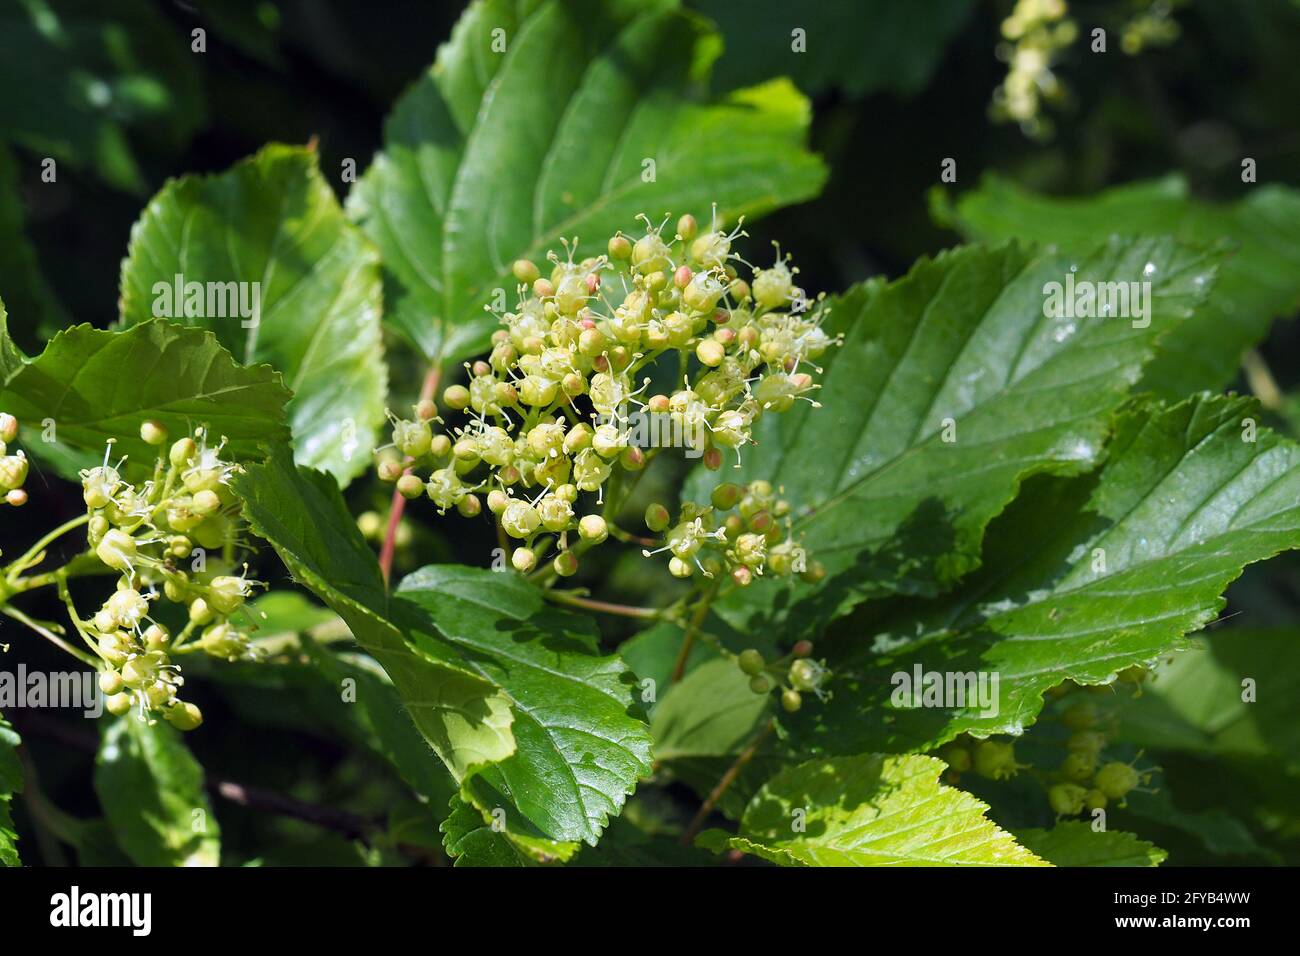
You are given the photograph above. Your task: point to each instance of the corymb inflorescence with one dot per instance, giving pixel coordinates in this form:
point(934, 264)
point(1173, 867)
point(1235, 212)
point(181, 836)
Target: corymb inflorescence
point(550, 431)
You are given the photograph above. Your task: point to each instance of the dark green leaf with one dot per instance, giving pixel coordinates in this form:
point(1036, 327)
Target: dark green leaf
point(272, 224)
point(493, 156)
point(95, 385)
point(151, 789)
point(1075, 843)
point(1259, 283)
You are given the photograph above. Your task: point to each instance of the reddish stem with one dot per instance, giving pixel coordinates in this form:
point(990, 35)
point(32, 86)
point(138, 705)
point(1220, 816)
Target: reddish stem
point(427, 389)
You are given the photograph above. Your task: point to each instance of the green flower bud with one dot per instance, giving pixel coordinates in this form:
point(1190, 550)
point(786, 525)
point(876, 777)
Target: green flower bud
point(8, 427)
point(412, 438)
point(760, 684)
point(200, 612)
point(751, 661)
point(1116, 779)
point(593, 528)
point(182, 452)
point(520, 519)
point(995, 759)
point(565, 564)
point(118, 704)
point(710, 353)
point(791, 700)
point(656, 517)
point(1066, 799)
point(184, 716)
point(524, 559)
point(456, 397)
point(620, 248)
point(153, 433)
point(410, 486)
point(116, 549)
point(110, 682)
point(525, 271)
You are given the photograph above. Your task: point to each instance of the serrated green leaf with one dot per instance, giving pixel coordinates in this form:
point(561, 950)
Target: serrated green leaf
point(1081, 579)
point(1257, 284)
point(1075, 843)
point(11, 357)
point(581, 740)
point(857, 46)
point(95, 385)
point(953, 386)
point(274, 221)
point(464, 717)
point(494, 156)
point(510, 693)
point(869, 811)
point(11, 782)
point(151, 789)
point(473, 841)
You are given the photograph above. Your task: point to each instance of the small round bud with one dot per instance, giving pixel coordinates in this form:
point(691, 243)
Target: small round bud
point(751, 661)
point(791, 700)
point(153, 433)
point(16, 497)
point(118, 704)
point(438, 448)
point(593, 528)
point(760, 684)
point(390, 471)
point(426, 410)
point(456, 397)
point(524, 559)
point(687, 227)
point(565, 564)
point(682, 277)
point(182, 452)
point(742, 576)
point(206, 502)
point(116, 549)
point(680, 568)
point(802, 649)
point(995, 759)
point(200, 612)
point(543, 289)
point(710, 353)
point(1066, 799)
point(656, 517)
point(410, 486)
point(1116, 779)
point(620, 247)
point(632, 458)
point(958, 758)
point(469, 506)
point(110, 682)
point(8, 427)
point(725, 496)
point(525, 271)
point(712, 458)
point(184, 716)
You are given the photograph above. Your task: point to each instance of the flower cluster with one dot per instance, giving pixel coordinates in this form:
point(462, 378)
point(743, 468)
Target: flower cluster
point(560, 407)
point(13, 468)
point(754, 539)
point(1036, 31)
point(1083, 780)
point(794, 675)
point(145, 533)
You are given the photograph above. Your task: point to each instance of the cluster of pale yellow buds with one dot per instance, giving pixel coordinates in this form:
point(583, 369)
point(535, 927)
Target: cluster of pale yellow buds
point(562, 405)
point(13, 468)
point(157, 535)
point(1035, 33)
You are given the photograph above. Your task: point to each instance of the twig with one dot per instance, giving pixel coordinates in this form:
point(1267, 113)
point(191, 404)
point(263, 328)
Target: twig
point(724, 784)
point(590, 604)
point(427, 390)
point(692, 629)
